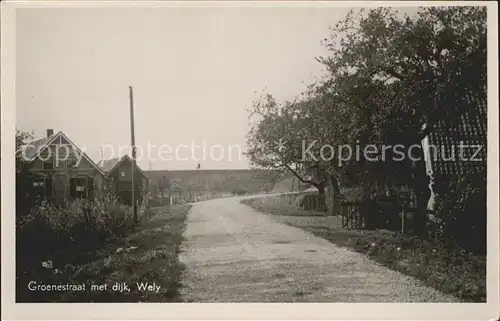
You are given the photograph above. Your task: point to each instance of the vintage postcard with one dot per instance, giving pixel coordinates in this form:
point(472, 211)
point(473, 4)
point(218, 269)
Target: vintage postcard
point(250, 160)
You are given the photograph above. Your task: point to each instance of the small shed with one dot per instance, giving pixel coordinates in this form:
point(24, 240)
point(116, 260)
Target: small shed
point(119, 174)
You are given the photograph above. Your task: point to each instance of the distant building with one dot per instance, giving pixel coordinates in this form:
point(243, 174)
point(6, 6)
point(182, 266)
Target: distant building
point(119, 175)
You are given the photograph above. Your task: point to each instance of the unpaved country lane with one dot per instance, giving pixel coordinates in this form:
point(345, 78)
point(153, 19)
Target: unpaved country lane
point(233, 253)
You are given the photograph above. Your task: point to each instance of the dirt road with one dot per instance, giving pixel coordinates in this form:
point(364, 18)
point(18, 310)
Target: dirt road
point(233, 253)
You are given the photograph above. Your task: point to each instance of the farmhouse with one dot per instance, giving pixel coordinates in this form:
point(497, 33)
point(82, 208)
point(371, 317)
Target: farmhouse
point(119, 174)
point(60, 169)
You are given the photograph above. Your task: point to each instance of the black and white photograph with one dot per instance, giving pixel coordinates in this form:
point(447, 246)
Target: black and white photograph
point(225, 153)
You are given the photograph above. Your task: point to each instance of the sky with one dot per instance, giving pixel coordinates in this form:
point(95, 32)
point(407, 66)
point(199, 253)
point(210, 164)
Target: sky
point(193, 72)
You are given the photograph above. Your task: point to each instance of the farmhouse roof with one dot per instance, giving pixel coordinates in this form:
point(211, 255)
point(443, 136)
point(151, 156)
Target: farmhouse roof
point(32, 150)
point(109, 165)
point(468, 128)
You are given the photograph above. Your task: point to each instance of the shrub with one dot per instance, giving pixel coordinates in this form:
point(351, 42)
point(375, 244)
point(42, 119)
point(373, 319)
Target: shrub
point(239, 191)
point(313, 202)
point(65, 235)
point(461, 211)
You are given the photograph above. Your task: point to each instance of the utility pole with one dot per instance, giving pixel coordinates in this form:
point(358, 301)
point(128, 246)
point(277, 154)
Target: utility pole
point(132, 138)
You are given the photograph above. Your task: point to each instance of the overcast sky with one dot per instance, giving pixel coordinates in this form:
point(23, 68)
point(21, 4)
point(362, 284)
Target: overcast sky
point(194, 70)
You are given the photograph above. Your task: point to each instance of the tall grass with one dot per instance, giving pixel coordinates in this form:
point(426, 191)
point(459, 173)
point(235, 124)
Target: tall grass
point(53, 240)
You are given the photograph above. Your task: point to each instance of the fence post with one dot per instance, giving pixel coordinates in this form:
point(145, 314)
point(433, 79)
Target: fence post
point(403, 220)
point(356, 214)
point(342, 214)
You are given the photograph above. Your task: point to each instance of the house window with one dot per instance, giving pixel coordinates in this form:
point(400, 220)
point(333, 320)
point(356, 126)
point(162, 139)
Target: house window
point(43, 187)
point(39, 183)
point(66, 156)
point(81, 187)
point(122, 174)
point(125, 186)
point(72, 161)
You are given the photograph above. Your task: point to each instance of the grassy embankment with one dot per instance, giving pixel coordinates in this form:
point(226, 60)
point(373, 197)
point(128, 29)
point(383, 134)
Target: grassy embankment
point(200, 185)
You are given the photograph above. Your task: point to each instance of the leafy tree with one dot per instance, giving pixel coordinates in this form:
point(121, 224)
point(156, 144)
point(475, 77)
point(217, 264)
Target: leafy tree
point(391, 73)
point(275, 141)
point(387, 75)
point(164, 185)
point(24, 180)
point(414, 71)
point(426, 62)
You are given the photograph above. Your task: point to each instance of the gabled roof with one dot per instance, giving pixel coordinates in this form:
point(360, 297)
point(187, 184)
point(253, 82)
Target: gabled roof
point(109, 165)
point(33, 149)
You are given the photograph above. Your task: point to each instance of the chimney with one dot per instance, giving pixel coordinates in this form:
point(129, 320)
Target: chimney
point(50, 132)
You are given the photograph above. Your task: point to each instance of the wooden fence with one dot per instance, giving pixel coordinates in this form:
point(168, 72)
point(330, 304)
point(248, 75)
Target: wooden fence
point(351, 215)
point(384, 214)
point(313, 202)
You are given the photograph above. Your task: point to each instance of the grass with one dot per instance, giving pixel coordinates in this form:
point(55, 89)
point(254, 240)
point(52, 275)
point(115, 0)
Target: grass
point(147, 255)
point(280, 205)
point(451, 271)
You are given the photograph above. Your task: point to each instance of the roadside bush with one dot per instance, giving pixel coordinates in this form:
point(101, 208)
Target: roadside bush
point(53, 239)
point(313, 202)
point(461, 212)
point(239, 191)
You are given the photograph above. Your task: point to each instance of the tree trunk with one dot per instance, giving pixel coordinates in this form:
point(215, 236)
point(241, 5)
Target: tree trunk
point(333, 187)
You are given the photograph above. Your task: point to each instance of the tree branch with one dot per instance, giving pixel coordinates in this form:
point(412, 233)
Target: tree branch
point(305, 181)
point(394, 73)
